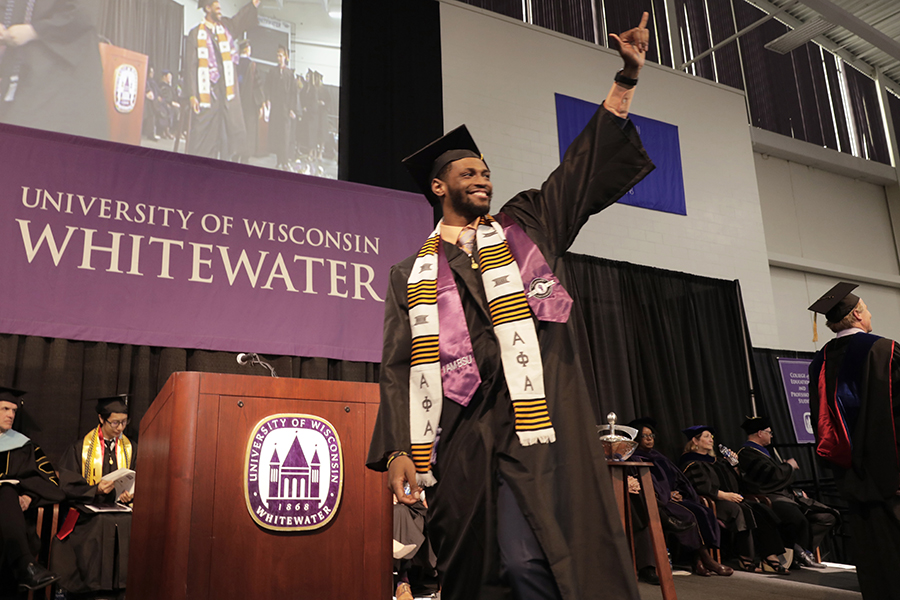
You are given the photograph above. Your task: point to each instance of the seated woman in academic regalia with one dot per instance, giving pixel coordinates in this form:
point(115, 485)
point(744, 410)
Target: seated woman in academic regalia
point(90, 553)
point(752, 524)
point(679, 499)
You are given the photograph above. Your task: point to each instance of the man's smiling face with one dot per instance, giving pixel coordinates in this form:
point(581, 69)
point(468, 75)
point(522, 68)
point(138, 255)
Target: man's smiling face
point(466, 190)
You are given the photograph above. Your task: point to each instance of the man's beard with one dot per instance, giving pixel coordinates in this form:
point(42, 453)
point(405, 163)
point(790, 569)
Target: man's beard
point(464, 206)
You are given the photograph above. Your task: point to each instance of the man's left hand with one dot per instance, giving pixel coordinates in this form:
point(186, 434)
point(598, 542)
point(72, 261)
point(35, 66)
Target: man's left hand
point(126, 497)
point(633, 46)
point(24, 502)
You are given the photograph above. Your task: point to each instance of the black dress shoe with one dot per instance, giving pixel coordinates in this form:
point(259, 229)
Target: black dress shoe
point(805, 558)
point(673, 525)
point(648, 575)
point(35, 577)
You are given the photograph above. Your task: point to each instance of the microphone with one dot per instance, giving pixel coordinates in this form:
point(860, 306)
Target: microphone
point(252, 358)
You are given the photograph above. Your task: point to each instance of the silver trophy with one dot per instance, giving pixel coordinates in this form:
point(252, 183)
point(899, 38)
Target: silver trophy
point(619, 441)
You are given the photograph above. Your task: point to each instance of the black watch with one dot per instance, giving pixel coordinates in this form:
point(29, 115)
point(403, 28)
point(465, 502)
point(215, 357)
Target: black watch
point(621, 78)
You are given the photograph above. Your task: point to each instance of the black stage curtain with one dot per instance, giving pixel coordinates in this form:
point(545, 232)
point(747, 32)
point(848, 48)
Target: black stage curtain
point(664, 344)
point(63, 378)
point(391, 97)
point(153, 28)
point(661, 343)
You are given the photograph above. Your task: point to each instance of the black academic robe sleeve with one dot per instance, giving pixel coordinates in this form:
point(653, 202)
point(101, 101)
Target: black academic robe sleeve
point(392, 426)
point(71, 479)
point(36, 476)
point(703, 477)
point(599, 167)
point(762, 474)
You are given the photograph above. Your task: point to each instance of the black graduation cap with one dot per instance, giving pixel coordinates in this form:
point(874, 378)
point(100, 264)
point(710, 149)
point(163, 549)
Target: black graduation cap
point(695, 430)
point(425, 164)
point(837, 302)
point(648, 422)
point(113, 404)
point(11, 395)
point(753, 424)
point(202, 3)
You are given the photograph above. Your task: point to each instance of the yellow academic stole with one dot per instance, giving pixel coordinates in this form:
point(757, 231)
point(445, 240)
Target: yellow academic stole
point(92, 456)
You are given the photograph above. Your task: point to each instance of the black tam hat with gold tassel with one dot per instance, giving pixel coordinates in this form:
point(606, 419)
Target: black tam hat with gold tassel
point(835, 304)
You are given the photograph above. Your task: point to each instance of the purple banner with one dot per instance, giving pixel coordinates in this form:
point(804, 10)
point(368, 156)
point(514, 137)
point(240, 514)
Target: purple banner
point(108, 242)
point(795, 377)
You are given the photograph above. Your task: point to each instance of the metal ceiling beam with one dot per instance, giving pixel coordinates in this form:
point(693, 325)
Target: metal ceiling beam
point(828, 44)
point(854, 24)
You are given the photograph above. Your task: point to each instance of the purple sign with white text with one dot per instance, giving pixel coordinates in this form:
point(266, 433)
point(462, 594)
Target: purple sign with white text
point(107, 242)
point(795, 377)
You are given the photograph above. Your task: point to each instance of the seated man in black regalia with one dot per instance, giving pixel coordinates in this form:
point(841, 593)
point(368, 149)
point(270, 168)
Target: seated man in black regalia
point(91, 550)
point(27, 480)
point(804, 522)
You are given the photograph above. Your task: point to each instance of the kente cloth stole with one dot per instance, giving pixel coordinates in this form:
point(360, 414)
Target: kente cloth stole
point(442, 361)
point(226, 67)
point(92, 455)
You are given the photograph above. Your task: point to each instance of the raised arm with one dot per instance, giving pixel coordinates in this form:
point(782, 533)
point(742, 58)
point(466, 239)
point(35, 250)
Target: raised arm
point(603, 162)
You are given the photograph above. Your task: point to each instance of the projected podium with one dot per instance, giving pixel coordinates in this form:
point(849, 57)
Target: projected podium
point(255, 487)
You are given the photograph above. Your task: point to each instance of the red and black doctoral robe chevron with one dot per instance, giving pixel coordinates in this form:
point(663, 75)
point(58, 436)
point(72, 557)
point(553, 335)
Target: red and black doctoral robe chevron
point(858, 376)
point(854, 381)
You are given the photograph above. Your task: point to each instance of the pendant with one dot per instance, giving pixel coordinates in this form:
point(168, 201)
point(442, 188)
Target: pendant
point(474, 264)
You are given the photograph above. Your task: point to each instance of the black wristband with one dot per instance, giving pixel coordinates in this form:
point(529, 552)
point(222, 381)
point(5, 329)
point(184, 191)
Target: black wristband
point(621, 78)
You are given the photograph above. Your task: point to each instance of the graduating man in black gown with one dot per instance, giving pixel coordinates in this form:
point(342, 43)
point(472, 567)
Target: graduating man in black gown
point(91, 551)
point(854, 380)
point(482, 393)
point(281, 96)
point(211, 81)
point(35, 484)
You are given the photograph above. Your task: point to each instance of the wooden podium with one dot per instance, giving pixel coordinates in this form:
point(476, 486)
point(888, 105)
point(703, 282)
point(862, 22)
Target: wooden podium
point(192, 533)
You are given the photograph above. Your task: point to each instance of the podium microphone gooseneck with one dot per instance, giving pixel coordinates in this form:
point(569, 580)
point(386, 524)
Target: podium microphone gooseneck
point(252, 358)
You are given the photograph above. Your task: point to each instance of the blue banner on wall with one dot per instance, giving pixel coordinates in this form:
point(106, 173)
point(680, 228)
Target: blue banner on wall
point(663, 189)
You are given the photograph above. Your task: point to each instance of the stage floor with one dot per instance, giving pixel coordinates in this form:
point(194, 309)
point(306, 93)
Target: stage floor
point(833, 583)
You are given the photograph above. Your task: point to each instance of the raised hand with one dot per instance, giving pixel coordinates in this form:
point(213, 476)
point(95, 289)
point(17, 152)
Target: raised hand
point(633, 46)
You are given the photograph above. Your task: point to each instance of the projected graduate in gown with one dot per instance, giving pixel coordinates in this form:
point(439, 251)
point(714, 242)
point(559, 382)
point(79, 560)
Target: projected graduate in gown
point(522, 500)
point(211, 81)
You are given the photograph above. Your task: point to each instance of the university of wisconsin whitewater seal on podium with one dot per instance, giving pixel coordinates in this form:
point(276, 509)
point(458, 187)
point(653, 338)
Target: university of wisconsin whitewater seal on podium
point(293, 472)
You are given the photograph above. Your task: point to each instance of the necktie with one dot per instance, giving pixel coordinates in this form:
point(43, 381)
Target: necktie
point(466, 243)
